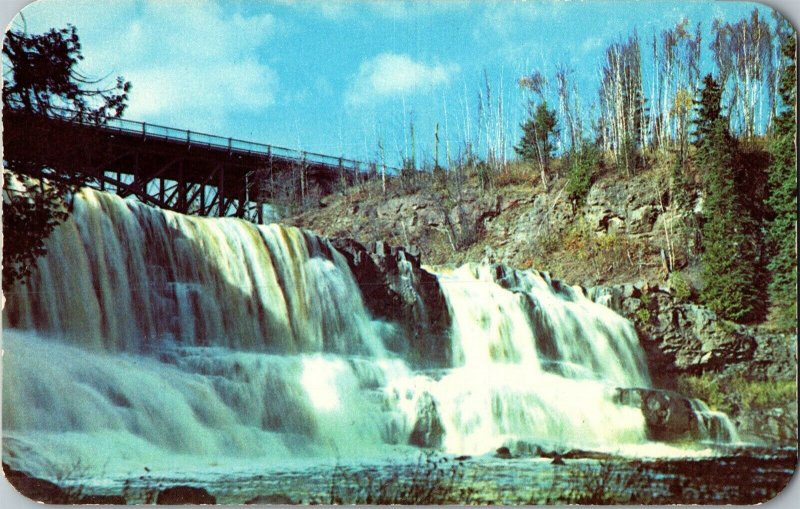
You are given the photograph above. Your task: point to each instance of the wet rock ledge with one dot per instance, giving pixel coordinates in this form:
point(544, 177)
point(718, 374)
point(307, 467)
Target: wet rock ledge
point(396, 288)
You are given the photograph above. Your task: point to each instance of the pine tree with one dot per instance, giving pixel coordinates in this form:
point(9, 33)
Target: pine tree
point(42, 79)
point(684, 223)
point(586, 162)
point(781, 230)
point(538, 135)
point(729, 232)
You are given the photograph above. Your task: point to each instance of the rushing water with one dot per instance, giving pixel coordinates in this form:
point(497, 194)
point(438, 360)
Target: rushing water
point(183, 344)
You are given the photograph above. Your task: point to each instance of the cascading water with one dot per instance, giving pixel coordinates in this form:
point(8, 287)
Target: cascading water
point(151, 338)
point(532, 363)
point(146, 337)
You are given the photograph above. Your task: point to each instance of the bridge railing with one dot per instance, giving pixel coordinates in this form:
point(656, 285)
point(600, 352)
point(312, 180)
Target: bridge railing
point(231, 145)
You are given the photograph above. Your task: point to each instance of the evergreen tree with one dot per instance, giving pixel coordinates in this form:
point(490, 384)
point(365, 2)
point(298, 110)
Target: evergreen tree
point(539, 133)
point(681, 195)
point(709, 109)
point(729, 232)
point(782, 230)
point(585, 164)
point(42, 79)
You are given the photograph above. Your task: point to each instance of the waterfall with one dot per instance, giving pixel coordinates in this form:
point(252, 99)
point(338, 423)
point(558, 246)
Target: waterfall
point(714, 426)
point(533, 362)
point(147, 334)
point(149, 338)
point(121, 276)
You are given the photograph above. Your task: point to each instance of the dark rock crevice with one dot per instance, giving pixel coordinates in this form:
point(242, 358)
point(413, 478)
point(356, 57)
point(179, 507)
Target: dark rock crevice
point(396, 288)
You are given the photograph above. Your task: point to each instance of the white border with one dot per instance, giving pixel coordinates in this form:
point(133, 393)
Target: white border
point(11, 499)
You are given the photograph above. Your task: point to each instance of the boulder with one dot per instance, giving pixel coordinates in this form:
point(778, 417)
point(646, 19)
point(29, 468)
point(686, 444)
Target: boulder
point(668, 415)
point(185, 495)
point(428, 431)
point(504, 453)
point(38, 490)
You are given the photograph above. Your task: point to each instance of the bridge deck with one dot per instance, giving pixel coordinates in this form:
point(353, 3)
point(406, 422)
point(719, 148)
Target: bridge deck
point(178, 169)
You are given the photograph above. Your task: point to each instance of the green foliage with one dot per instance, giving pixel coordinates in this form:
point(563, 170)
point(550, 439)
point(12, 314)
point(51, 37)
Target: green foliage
point(782, 200)
point(41, 78)
point(709, 109)
point(628, 155)
point(44, 78)
point(728, 393)
point(730, 255)
point(681, 289)
point(643, 315)
point(684, 221)
point(679, 188)
point(704, 388)
point(538, 134)
point(581, 175)
point(31, 210)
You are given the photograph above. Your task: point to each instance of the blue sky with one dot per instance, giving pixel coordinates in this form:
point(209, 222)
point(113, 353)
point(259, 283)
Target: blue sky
point(337, 77)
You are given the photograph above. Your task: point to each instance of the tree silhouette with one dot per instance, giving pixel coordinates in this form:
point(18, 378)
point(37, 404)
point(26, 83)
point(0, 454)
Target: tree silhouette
point(41, 78)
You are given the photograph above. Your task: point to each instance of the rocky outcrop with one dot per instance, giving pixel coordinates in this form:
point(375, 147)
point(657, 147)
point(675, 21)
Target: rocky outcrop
point(462, 220)
point(623, 206)
point(774, 425)
point(39, 490)
point(682, 338)
point(185, 495)
point(668, 415)
point(428, 431)
point(396, 288)
point(678, 337)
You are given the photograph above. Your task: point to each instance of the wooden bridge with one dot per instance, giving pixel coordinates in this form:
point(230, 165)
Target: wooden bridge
point(175, 169)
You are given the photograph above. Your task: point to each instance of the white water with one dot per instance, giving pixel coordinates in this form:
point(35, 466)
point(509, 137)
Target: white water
point(534, 364)
point(715, 427)
point(147, 338)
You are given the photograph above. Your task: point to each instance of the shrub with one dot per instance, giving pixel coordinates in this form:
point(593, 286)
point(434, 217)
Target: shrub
point(680, 287)
point(705, 388)
point(515, 174)
point(727, 393)
point(582, 172)
point(595, 483)
point(432, 480)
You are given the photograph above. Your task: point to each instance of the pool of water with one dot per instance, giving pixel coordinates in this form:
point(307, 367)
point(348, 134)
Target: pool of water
point(735, 476)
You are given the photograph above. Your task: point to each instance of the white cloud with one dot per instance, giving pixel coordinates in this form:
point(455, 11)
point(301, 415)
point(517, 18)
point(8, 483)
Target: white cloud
point(338, 10)
point(192, 63)
point(391, 75)
point(329, 9)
